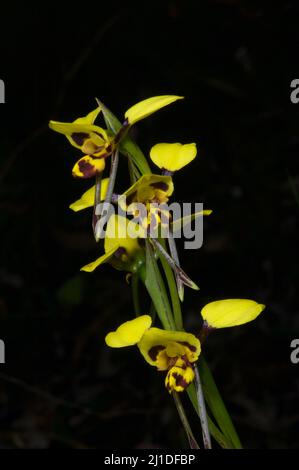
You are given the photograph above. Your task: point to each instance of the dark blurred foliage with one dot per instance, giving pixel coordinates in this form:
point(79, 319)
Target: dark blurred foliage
point(233, 60)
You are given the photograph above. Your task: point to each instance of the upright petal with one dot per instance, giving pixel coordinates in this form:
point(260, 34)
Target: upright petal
point(173, 157)
point(129, 333)
point(149, 106)
point(231, 312)
point(89, 118)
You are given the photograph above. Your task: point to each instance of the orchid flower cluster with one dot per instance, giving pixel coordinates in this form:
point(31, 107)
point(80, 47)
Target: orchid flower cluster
point(128, 245)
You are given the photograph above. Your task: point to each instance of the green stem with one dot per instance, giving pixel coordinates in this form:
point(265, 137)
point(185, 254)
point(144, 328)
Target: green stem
point(216, 404)
point(151, 277)
point(112, 177)
point(202, 411)
point(175, 257)
point(97, 200)
point(183, 276)
point(180, 409)
point(127, 145)
point(176, 304)
point(135, 294)
point(222, 440)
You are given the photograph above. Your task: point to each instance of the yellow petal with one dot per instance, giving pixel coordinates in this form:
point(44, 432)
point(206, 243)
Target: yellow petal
point(173, 157)
point(155, 339)
point(81, 129)
point(179, 378)
point(129, 333)
point(88, 268)
point(121, 232)
point(231, 312)
point(146, 107)
point(68, 129)
point(181, 222)
point(146, 186)
point(87, 199)
point(87, 167)
point(90, 118)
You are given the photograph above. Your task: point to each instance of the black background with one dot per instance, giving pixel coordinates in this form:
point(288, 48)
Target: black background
point(233, 61)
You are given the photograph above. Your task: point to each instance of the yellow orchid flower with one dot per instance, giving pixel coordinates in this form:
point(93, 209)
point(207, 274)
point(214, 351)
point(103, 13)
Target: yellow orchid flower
point(171, 351)
point(122, 247)
point(92, 140)
point(148, 188)
point(172, 157)
point(87, 199)
point(98, 143)
point(151, 191)
point(230, 312)
point(149, 106)
point(146, 200)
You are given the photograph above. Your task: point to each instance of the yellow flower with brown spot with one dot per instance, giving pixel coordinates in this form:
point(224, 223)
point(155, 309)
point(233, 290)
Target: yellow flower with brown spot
point(174, 352)
point(152, 191)
point(123, 248)
point(98, 143)
point(94, 141)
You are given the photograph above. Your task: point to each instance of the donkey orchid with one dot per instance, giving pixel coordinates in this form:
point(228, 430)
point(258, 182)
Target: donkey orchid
point(172, 351)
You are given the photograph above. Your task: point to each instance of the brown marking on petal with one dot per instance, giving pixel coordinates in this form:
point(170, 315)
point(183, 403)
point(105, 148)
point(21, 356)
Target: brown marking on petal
point(190, 346)
point(186, 363)
point(86, 169)
point(172, 362)
point(99, 134)
point(154, 351)
point(179, 380)
point(79, 137)
point(97, 153)
point(160, 185)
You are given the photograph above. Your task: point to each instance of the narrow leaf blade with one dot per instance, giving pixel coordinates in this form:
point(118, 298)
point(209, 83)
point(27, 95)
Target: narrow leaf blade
point(216, 404)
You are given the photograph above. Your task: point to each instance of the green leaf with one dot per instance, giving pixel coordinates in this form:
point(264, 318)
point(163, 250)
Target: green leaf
point(172, 286)
point(216, 404)
point(217, 435)
point(127, 145)
point(131, 150)
point(153, 281)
